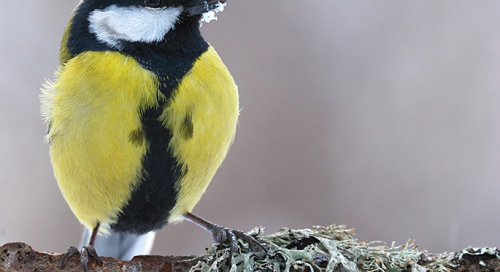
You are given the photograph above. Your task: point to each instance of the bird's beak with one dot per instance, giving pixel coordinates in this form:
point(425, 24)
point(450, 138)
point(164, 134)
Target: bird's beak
point(196, 7)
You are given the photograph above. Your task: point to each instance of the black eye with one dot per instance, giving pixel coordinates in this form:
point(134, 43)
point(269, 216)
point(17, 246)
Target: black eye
point(154, 3)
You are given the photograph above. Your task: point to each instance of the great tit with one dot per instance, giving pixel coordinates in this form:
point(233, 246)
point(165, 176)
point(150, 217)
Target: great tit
point(140, 116)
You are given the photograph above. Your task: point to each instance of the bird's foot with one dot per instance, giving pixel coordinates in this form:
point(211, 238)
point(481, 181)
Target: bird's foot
point(225, 236)
point(86, 253)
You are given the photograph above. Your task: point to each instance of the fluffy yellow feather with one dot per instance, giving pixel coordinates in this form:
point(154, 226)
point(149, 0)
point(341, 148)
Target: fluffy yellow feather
point(214, 114)
point(95, 162)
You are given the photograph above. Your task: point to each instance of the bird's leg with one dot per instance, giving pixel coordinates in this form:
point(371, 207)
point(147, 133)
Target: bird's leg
point(224, 235)
point(85, 253)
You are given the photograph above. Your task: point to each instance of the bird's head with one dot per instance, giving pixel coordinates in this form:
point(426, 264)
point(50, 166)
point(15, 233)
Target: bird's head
point(113, 23)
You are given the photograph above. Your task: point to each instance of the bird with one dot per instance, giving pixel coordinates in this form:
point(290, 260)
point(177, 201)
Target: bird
point(140, 115)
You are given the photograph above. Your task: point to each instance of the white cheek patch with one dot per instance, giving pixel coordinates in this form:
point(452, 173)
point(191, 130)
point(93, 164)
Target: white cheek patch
point(133, 24)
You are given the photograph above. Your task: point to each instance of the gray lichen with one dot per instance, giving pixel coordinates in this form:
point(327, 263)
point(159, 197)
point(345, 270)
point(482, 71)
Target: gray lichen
point(331, 248)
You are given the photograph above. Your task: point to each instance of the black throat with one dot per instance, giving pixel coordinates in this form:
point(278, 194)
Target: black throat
point(170, 59)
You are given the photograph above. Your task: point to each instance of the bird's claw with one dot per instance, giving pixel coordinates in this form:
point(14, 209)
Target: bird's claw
point(86, 253)
point(230, 237)
point(225, 236)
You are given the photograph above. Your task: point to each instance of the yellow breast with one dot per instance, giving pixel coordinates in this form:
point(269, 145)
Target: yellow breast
point(93, 108)
point(208, 93)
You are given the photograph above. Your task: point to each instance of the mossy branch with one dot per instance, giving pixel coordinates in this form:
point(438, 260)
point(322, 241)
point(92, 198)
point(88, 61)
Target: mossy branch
point(330, 248)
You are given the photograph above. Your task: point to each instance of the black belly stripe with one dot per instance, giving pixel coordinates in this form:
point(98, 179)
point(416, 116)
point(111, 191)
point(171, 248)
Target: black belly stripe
point(152, 200)
point(150, 204)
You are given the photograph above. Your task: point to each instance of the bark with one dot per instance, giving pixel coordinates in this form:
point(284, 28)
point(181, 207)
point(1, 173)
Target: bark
point(330, 248)
point(21, 257)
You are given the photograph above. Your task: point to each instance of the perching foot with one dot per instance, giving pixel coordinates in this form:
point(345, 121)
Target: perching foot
point(225, 236)
point(230, 237)
point(87, 253)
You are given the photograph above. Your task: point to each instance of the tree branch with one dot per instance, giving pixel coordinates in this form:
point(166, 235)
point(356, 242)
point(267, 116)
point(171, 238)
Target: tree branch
point(330, 248)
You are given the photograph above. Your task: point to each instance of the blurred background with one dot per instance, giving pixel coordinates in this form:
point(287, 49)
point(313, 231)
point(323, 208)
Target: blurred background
point(380, 115)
